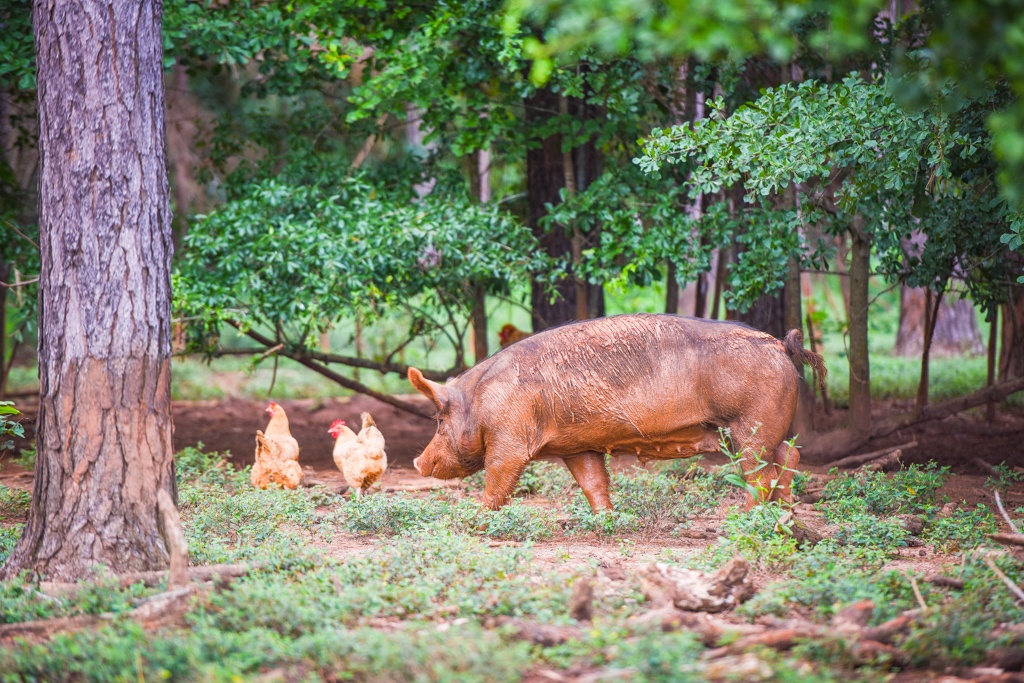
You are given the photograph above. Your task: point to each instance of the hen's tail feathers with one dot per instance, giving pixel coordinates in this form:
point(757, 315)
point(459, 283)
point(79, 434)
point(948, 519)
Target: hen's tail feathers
point(368, 420)
point(794, 344)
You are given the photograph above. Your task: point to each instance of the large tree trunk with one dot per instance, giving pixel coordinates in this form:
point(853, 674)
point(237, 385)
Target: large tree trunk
point(545, 176)
point(1011, 355)
point(768, 314)
point(104, 428)
point(956, 328)
point(860, 366)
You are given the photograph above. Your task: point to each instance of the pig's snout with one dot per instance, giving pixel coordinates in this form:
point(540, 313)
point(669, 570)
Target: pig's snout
point(423, 466)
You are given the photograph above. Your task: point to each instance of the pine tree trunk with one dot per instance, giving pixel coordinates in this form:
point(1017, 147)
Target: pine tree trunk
point(860, 367)
point(956, 328)
point(104, 428)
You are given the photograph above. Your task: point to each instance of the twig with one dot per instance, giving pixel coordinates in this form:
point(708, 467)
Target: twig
point(8, 285)
point(268, 352)
point(917, 594)
point(1002, 511)
point(1005, 579)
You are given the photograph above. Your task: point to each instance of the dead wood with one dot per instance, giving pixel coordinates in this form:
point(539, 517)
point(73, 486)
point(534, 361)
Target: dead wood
point(886, 632)
point(854, 616)
point(174, 537)
point(857, 460)
point(213, 572)
point(994, 393)
point(1012, 540)
point(944, 581)
point(545, 635)
point(581, 604)
point(424, 486)
point(709, 628)
point(696, 591)
point(1006, 517)
point(152, 612)
point(887, 463)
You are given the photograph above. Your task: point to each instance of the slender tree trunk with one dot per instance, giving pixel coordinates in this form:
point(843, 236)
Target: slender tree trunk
point(104, 428)
point(993, 339)
point(860, 367)
point(4, 270)
point(932, 306)
point(479, 324)
point(1011, 355)
point(671, 290)
point(956, 329)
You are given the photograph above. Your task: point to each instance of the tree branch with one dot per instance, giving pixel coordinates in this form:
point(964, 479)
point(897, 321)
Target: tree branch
point(307, 360)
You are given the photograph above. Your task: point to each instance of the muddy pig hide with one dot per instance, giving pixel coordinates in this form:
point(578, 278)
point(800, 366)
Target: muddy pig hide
point(657, 386)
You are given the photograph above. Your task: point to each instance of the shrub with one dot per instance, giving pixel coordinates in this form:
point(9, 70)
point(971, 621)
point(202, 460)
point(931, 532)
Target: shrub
point(911, 490)
point(964, 529)
point(14, 502)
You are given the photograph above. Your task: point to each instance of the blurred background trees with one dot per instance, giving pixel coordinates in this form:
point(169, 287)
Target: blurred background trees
point(363, 184)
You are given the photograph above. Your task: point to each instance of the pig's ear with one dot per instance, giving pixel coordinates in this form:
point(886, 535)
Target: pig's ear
point(432, 390)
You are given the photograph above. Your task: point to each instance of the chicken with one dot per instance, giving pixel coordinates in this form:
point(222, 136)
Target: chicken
point(510, 334)
point(360, 457)
point(277, 453)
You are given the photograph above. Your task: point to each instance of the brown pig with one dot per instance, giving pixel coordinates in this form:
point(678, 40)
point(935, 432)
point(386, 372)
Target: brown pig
point(657, 386)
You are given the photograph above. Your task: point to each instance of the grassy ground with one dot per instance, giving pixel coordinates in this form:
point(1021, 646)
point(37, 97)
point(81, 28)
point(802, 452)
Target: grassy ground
point(411, 587)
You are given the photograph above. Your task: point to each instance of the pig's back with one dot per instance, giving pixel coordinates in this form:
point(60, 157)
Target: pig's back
point(654, 373)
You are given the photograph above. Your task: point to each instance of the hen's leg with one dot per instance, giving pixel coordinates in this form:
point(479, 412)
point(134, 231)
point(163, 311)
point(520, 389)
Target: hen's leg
point(591, 474)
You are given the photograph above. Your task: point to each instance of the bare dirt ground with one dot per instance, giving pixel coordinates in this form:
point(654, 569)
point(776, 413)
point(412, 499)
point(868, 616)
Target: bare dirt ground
point(960, 441)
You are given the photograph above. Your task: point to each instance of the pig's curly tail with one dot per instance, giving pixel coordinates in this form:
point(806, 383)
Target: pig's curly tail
point(794, 343)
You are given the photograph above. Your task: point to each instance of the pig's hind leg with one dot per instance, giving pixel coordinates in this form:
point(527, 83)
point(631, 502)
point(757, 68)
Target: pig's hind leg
point(591, 473)
point(786, 459)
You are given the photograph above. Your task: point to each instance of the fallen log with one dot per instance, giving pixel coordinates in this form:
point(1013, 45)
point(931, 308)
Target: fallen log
point(696, 591)
point(151, 612)
point(857, 460)
point(937, 411)
point(710, 629)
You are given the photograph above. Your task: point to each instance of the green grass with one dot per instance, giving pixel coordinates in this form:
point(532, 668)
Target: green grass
point(418, 599)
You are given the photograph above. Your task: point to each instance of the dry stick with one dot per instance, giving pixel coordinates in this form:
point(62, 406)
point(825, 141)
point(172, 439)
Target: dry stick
point(1002, 511)
point(1005, 579)
point(917, 594)
point(855, 460)
point(177, 547)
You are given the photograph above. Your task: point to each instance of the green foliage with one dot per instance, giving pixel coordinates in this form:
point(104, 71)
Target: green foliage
point(645, 501)
point(8, 426)
point(1005, 477)
point(125, 652)
point(300, 259)
point(390, 515)
point(897, 170)
point(9, 536)
point(13, 502)
point(963, 529)
point(911, 490)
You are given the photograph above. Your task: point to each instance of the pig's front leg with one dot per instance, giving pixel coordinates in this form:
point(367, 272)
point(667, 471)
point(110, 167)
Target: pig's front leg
point(591, 474)
point(500, 478)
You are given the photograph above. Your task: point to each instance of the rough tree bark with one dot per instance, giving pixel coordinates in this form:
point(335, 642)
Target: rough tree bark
point(104, 428)
point(956, 328)
point(1011, 355)
point(545, 176)
point(860, 367)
